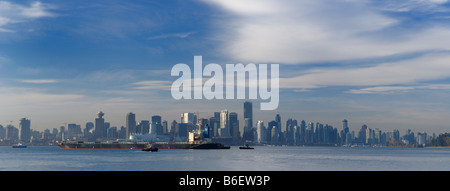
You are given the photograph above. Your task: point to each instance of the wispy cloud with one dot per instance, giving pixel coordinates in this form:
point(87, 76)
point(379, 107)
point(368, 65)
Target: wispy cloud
point(298, 32)
point(394, 89)
point(433, 66)
point(152, 85)
point(171, 35)
point(11, 13)
point(38, 81)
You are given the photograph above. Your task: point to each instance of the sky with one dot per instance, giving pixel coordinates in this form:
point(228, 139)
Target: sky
point(384, 63)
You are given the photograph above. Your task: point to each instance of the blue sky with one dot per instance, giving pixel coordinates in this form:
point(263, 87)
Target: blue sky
point(381, 63)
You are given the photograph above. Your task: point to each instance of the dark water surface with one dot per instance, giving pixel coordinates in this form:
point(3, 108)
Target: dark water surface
point(51, 158)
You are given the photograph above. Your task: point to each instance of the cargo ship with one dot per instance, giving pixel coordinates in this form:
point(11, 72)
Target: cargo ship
point(142, 141)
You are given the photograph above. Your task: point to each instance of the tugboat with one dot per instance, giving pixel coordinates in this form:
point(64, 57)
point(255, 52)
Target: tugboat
point(19, 146)
point(246, 147)
point(150, 148)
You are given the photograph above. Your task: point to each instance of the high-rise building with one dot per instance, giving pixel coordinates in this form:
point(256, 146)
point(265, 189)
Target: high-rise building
point(271, 128)
point(24, 130)
point(112, 132)
point(145, 127)
point(164, 125)
point(130, 124)
point(234, 126)
point(2, 132)
point(156, 119)
point(248, 116)
point(188, 118)
point(174, 127)
point(11, 132)
point(278, 120)
point(224, 126)
point(156, 126)
point(362, 134)
point(99, 126)
point(73, 130)
point(260, 132)
point(213, 126)
point(88, 127)
point(345, 130)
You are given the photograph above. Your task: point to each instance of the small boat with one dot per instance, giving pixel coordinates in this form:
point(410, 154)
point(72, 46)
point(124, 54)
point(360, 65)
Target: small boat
point(246, 147)
point(150, 149)
point(19, 146)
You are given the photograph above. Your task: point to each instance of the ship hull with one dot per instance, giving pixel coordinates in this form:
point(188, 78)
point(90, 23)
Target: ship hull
point(139, 145)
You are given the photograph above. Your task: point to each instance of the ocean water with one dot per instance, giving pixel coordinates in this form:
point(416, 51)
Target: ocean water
point(51, 158)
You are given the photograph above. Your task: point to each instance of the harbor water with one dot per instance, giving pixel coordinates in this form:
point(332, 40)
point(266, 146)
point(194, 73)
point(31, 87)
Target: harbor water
point(262, 158)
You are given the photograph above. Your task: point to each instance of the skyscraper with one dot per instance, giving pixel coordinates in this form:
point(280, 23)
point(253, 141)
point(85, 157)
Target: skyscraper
point(345, 130)
point(156, 125)
point(248, 114)
point(362, 134)
point(234, 126)
point(99, 126)
point(278, 120)
point(224, 126)
point(131, 124)
point(248, 122)
point(73, 130)
point(145, 127)
point(24, 130)
point(260, 132)
point(345, 125)
point(271, 128)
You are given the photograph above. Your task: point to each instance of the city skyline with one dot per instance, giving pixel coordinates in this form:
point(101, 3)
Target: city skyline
point(228, 126)
point(381, 63)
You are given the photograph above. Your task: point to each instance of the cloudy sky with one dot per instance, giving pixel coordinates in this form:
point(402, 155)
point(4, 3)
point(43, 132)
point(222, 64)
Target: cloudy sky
point(384, 63)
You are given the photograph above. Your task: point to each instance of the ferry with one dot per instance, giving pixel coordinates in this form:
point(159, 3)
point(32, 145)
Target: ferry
point(20, 145)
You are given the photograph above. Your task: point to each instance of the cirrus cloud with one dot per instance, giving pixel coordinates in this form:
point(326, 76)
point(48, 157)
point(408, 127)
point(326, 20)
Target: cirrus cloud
point(11, 13)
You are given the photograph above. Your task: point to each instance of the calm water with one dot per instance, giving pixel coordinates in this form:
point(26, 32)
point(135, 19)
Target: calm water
point(262, 158)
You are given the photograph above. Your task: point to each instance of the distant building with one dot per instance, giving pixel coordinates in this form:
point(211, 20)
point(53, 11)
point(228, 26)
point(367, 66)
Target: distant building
point(99, 126)
point(73, 131)
point(144, 127)
point(248, 120)
point(224, 124)
point(234, 126)
point(165, 127)
point(12, 133)
point(24, 130)
point(422, 139)
point(182, 130)
point(156, 125)
point(260, 132)
point(112, 133)
point(130, 124)
point(188, 118)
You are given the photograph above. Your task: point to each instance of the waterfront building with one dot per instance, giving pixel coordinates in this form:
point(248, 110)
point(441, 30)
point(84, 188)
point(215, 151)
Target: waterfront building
point(112, 133)
point(24, 130)
point(422, 139)
point(156, 125)
point(234, 126)
point(248, 120)
point(144, 127)
point(99, 126)
point(188, 118)
point(362, 134)
point(260, 132)
point(224, 124)
point(165, 127)
point(130, 124)
point(73, 131)
point(278, 120)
